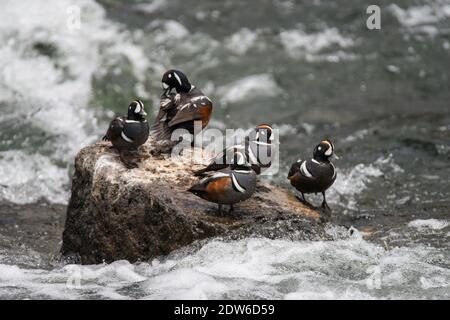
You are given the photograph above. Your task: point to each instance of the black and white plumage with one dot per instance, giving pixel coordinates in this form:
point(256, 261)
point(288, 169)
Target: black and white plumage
point(179, 110)
point(226, 187)
point(256, 153)
point(315, 175)
point(128, 133)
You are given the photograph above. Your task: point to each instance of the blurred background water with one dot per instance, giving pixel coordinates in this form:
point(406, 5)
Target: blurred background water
point(310, 68)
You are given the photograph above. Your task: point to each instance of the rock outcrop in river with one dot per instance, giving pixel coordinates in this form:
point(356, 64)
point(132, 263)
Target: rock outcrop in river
point(117, 213)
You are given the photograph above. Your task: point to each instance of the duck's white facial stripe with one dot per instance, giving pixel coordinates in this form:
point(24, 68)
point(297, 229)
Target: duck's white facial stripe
point(124, 137)
point(305, 171)
point(178, 78)
point(138, 109)
point(165, 85)
point(329, 152)
point(236, 184)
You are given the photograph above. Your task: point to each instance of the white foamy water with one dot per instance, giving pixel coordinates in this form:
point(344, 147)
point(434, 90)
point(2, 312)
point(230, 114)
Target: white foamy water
point(354, 181)
point(428, 224)
point(310, 46)
point(250, 268)
point(254, 86)
point(51, 94)
point(422, 18)
point(241, 41)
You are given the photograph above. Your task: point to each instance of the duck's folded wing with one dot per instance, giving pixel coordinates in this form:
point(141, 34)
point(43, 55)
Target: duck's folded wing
point(186, 112)
point(203, 184)
point(115, 129)
point(295, 168)
point(160, 129)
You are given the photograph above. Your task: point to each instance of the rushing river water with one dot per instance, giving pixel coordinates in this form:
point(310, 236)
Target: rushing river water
point(311, 68)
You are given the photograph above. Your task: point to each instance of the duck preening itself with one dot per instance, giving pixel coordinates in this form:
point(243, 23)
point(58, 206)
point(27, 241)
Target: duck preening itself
point(315, 175)
point(179, 109)
point(255, 153)
point(128, 133)
point(226, 187)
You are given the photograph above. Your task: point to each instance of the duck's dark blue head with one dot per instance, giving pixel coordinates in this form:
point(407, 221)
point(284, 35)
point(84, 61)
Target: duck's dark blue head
point(136, 111)
point(175, 79)
point(262, 134)
point(323, 151)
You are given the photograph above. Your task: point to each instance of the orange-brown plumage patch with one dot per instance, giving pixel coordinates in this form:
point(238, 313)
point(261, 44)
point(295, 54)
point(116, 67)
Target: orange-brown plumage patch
point(205, 113)
point(215, 189)
point(264, 126)
point(326, 142)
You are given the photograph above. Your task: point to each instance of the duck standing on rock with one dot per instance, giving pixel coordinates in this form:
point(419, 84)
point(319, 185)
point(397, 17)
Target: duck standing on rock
point(256, 152)
point(179, 110)
point(128, 133)
point(226, 186)
point(315, 175)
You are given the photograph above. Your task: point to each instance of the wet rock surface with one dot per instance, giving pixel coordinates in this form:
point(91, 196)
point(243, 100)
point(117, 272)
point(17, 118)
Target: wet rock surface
point(136, 214)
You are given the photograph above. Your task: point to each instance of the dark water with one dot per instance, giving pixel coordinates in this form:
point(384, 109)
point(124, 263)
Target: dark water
point(311, 68)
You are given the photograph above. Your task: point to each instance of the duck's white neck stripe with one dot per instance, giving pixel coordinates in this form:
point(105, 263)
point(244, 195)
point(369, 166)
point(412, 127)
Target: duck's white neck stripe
point(334, 170)
point(304, 170)
point(124, 137)
point(135, 121)
point(236, 184)
point(252, 157)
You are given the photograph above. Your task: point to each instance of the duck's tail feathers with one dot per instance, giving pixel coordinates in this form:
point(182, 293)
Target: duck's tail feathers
point(161, 131)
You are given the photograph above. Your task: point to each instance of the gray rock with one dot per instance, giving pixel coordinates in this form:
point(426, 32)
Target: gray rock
point(117, 213)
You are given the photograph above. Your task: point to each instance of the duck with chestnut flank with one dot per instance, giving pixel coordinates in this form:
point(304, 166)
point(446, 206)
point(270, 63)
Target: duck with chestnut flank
point(179, 109)
point(226, 187)
point(315, 175)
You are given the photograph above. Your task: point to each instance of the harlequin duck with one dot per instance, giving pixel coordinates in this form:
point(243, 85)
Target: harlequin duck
point(315, 175)
point(127, 134)
point(180, 109)
point(226, 186)
point(256, 153)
